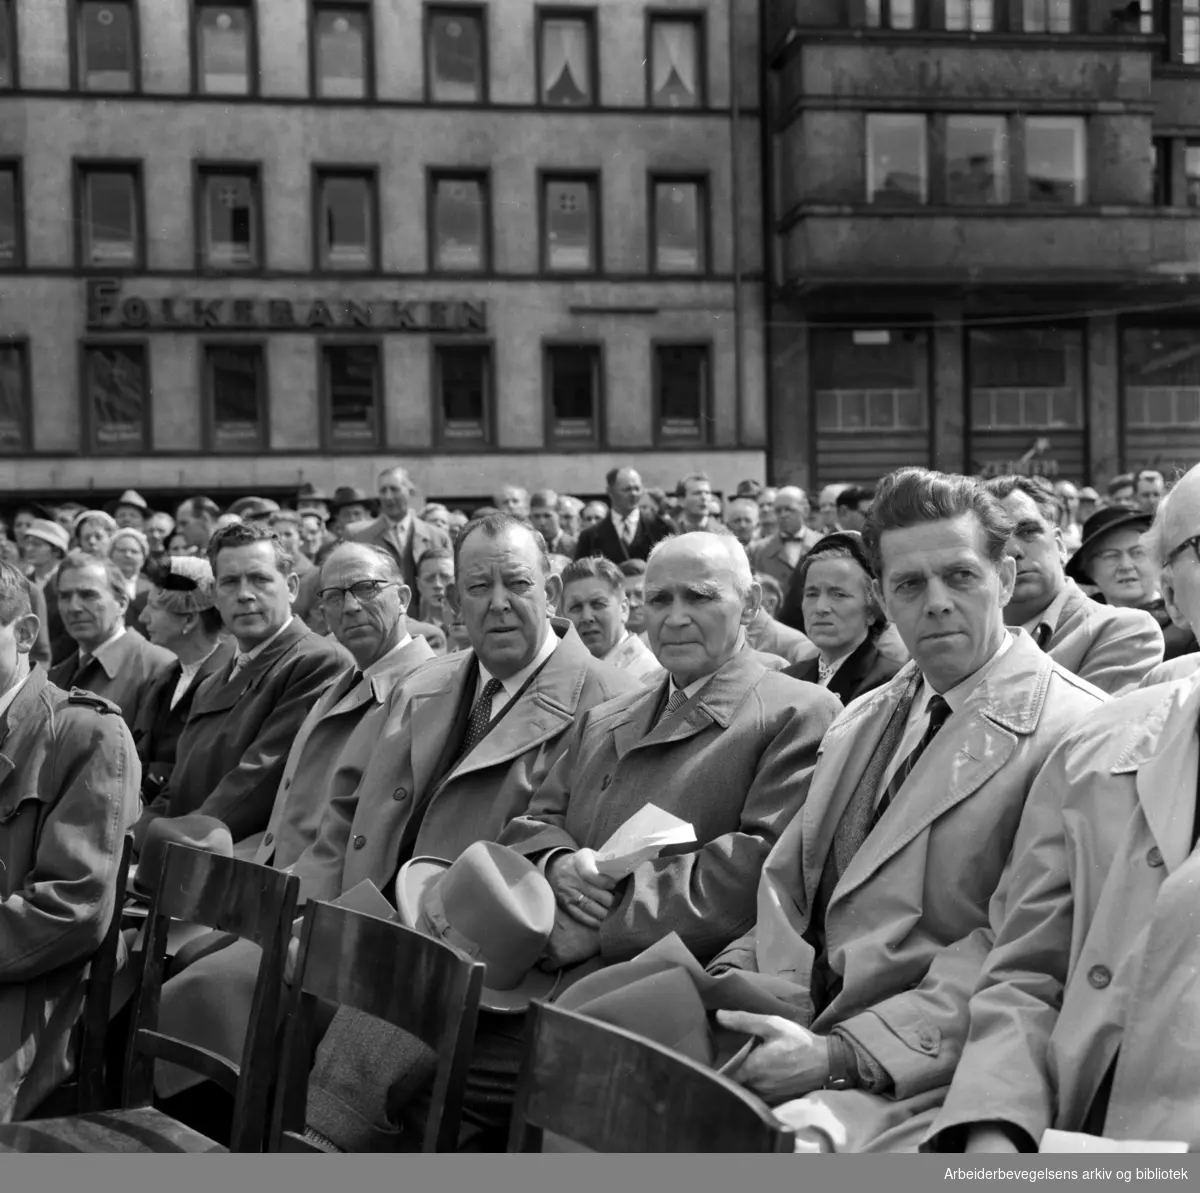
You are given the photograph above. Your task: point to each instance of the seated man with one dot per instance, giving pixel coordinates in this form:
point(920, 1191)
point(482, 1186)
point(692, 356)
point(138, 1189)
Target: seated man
point(875, 900)
point(231, 755)
point(69, 793)
point(1110, 647)
point(110, 659)
point(1085, 1018)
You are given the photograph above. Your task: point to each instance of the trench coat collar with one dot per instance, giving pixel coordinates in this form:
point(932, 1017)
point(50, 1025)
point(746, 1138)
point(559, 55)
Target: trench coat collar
point(18, 725)
point(220, 691)
point(343, 696)
point(113, 655)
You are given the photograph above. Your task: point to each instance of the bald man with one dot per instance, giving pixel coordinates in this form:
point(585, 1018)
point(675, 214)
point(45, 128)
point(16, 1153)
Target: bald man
point(779, 555)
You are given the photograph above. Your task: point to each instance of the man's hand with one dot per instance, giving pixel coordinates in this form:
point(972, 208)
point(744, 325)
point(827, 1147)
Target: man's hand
point(990, 1139)
point(789, 1063)
point(581, 890)
point(570, 943)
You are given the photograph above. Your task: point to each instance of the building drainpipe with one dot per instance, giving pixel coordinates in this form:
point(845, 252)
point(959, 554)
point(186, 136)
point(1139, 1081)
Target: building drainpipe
point(735, 144)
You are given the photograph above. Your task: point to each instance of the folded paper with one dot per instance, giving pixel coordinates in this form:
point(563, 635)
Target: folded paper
point(642, 837)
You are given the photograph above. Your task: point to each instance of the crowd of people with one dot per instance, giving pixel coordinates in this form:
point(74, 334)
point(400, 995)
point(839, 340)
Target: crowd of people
point(927, 737)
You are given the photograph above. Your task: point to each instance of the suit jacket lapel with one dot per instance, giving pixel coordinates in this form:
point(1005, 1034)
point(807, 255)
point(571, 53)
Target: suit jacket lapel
point(848, 676)
point(639, 718)
point(526, 724)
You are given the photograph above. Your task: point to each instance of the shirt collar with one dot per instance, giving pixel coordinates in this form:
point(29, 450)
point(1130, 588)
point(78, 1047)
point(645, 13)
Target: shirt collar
point(1050, 615)
point(401, 527)
point(382, 663)
point(9, 696)
point(190, 669)
point(958, 695)
point(616, 650)
point(254, 652)
point(620, 521)
point(514, 683)
point(106, 645)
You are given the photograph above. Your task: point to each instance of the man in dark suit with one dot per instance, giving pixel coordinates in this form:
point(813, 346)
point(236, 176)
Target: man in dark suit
point(231, 755)
point(398, 530)
point(628, 532)
point(110, 658)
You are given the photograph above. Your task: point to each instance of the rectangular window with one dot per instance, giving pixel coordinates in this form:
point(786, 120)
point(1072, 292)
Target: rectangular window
point(1048, 16)
point(235, 394)
point(891, 14)
point(341, 50)
point(1189, 51)
point(1160, 169)
point(897, 170)
point(1025, 378)
point(106, 45)
point(572, 373)
point(976, 159)
point(870, 379)
point(455, 56)
point(566, 58)
point(1056, 160)
point(1191, 170)
point(224, 48)
point(676, 62)
point(1161, 367)
point(570, 222)
point(463, 385)
point(1147, 16)
point(678, 225)
point(117, 396)
point(8, 44)
point(351, 386)
point(14, 398)
point(970, 16)
point(229, 219)
point(681, 389)
point(346, 220)
point(111, 231)
point(11, 232)
point(460, 222)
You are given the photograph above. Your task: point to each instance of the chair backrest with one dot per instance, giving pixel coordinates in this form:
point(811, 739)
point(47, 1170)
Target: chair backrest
point(255, 903)
point(612, 1091)
point(388, 971)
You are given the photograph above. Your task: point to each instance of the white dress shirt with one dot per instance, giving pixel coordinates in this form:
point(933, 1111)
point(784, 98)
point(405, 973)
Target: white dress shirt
point(631, 520)
point(241, 659)
point(117, 635)
point(514, 683)
point(187, 677)
point(1049, 615)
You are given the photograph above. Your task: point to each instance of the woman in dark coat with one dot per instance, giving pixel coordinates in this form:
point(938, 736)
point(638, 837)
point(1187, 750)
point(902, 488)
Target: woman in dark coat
point(841, 614)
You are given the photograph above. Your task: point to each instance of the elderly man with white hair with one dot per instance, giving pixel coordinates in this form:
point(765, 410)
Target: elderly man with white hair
point(780, 555)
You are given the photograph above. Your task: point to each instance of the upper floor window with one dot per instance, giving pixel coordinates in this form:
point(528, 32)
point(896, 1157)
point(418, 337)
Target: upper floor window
point(110, 231)
point(897, 158)
point(974, 16)
point(106, 45)
point(569, 240)
point(1189, 48)
point(676, 62)
point(10, 217)
point(976, 159)
point(1160, 171)
point(346, 219)
point(891, 14)
point(1056, 159)
point(8, 44)
point(455, 58)
point(341, 51)
point(223, 48)
point(230, 228)
point(463, 395)
point(566, 58)
point(14, 397)
point(678, 226)
point(1048, 16)
point(459, 229)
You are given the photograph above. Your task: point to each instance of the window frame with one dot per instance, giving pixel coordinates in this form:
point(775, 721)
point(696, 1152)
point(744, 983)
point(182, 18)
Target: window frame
point(705, 440)
point(586, 14)
point(694, 16)
point(997, 24)
point(1046, 5)
point(437, 346)
point(1083, 184)
point(599, 438)
point(476, 12)
point(926, 125)
point(13, 165)
point(594, 179)
point(1004, 176)
point(11, 20)
point(699, 179)
point(365, 9)
point(208, 410)
point(20, 344)
point(87, 425)
point(196, 7)
point(75, 46)
point(434, 175)
point(1067, 331)
point(318, 173)
point(325, 396)
point(83, 168)
point(202, 171)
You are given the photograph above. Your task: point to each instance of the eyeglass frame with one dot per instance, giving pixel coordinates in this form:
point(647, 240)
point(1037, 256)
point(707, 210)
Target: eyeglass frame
point(1176, 552)
point(377, 589)
point(1115, 555)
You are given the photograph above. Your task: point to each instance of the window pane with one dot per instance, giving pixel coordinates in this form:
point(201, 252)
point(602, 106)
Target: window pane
point(569, 231)
point(976, 159)
point(1191, 168)
point(106, 46)
point(1048, 16)
point(1161, 375)
point(872, 378)
point(8, 51)
point(13, 420)
point(352, 389)
point(902, 14)
point(973, 15)
point(224, 45)
point(341, 54)
point(1054, 159)
point(235, 397)
point(566, 62)
point(117, 400)
point(896, 159)
point(346, 232)
point(679, 236)
point(455, 58)
point(110, 230)
point(574, 393)
point(460, 212)
point(1026, 377)
point(682, 393)
point(463, 382)
point(675, 70)
point(1191, 39)
point(10, 233)
point(230, 240)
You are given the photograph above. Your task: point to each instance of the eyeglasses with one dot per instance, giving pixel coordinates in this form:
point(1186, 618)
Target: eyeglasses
point(1193, 543)
point(1113, 556)
point(365, 592)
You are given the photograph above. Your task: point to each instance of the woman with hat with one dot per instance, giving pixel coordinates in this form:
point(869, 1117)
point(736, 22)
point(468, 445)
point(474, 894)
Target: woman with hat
point(841, 614)
point(92, 530)
point(128, 549)
point(1113, 559)
point(46, 546)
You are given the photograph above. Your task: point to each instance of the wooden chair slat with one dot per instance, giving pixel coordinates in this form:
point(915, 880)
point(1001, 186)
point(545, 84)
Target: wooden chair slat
point(210, 1065)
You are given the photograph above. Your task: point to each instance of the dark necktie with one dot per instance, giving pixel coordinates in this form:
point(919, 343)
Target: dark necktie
point(677, 701)
point(355, 680)
point(939, 710)
point(481, 716)
point(1042, 636)
point(85, 661)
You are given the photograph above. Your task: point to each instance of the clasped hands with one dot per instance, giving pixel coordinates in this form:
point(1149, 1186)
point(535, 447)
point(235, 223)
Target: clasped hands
point(789, 1061)
point(584, 896)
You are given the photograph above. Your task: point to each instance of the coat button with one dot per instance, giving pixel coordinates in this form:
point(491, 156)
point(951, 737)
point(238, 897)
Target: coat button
point(359, 842)
point(1099, 976)
point(400, 793)
point(1154, 857)
point(286, 784)
point(268, 838)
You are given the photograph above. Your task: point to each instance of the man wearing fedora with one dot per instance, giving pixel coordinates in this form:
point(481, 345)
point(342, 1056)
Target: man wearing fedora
point(350, 506)
point(1111, 647)
point(130, 510)
point(68, 793)
point(244, 718)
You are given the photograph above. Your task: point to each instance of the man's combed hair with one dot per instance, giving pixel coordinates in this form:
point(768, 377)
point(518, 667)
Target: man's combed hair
point(594, 567)
point(14, 595)
point(493, 526)
point(77, 559)
point(912, 496)
point(246, 534)
point(1001, 487)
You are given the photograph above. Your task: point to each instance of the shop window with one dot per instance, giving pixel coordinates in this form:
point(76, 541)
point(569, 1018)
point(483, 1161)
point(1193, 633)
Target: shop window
point(1023, 378)
point(1056, 160)
point(976, 160)
point(1048, 16)
point(573, 381)
point(235, 397)
point(116, 390)
point(873, 379)
point(1161, 368)
point(682, 394)
point(463, 391)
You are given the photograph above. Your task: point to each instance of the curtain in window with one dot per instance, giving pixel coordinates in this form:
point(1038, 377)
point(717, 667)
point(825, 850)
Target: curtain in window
point(673, 54)
point(565, 62)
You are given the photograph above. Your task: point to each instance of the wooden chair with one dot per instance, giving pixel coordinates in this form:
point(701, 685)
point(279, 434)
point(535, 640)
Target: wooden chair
point(612, 1091)
point(388, 971)
point(227, 894)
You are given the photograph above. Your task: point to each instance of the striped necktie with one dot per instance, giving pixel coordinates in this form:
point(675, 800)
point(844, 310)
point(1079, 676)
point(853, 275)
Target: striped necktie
point(677, 701)
point(939, 711)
